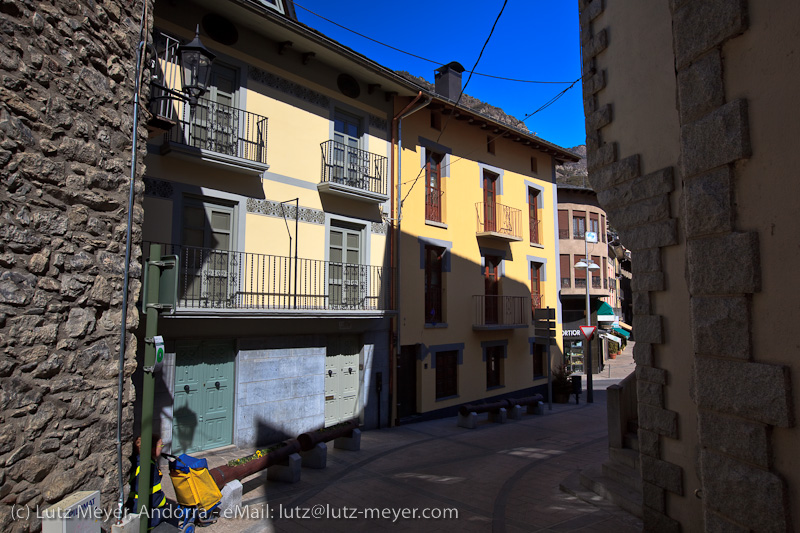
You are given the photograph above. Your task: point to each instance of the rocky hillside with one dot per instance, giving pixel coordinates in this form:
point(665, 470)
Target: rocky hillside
point(574, 173)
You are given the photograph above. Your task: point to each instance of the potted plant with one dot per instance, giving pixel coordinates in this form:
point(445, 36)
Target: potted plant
point(562, 386)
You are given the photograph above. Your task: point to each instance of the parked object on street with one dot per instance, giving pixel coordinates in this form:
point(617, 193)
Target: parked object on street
point(196, 493)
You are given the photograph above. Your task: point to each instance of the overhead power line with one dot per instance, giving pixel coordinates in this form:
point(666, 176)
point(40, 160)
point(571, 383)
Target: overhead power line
point(439, 63)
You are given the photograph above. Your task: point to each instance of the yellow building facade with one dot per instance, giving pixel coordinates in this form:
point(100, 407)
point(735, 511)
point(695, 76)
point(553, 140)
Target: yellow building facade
point(478, 250)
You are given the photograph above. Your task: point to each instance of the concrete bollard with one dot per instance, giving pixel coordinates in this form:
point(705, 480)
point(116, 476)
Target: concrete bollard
point(286, 472)
point(499, 417)
point(231, 496)
point(469, 421)
point(515, 413)
point(536, 408)
point(352, 444)
point(316, 457)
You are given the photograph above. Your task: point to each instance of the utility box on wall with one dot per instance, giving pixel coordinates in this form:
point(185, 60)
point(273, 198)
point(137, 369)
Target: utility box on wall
point(77, 513)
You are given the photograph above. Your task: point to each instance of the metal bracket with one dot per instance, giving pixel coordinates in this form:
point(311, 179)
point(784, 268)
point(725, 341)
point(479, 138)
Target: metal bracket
point(149, 369)
point(159, 306)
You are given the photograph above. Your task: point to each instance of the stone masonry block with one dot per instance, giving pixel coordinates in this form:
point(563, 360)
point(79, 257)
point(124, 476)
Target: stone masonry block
point(755, 391)
point(700, 87)
point(650, 393)
point(664, 233)
point(648, 328)
point(589, 106)
point(708, 203)
point(594, 83)
point(657, 420)
point(649, 281)
point(654, 497)
point(724, 265)
point(615, 173)
point(599, 118)
point(702, 25)
point(605, 155)
point(643, 354)
point(591, 11)
point(648, 373)
point(716, 524)
point(658, 183)
point(593, 141)
point(647, 261)
point(655, 521)
point(751, 496)
point(596, 44)
point(662, 474)
point(643, 212)
point(719, 138)
point(721, 326)
point(649, 443)
point(641, 303)
point(744, 440)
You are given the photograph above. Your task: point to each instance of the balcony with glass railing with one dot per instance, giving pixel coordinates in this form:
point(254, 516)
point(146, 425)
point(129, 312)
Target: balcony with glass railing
point(500, 312)
point(354, 173)
point(220, 281)
point(499, 221)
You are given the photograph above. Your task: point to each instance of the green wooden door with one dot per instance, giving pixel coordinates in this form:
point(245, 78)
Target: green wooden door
point(202, 416)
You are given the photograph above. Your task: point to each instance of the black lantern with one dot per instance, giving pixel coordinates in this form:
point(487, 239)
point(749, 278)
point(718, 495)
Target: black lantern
point(195, 60)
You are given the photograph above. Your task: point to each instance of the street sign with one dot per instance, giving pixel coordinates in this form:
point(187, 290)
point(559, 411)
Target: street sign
point(158, 340)
point(591, 236)
point(588, 331)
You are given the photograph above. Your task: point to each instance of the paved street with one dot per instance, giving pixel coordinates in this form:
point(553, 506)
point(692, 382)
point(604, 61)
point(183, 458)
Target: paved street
point(498, 477)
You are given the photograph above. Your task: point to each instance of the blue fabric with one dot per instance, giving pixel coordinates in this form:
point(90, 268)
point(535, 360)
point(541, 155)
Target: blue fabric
point(184, 462)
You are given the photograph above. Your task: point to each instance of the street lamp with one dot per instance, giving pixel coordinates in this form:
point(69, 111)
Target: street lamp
point(195, 60)
point(589, 265)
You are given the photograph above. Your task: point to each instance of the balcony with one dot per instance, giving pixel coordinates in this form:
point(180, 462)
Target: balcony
point(216, 281)
point(434, 202)
point(353, 173)
point(499, 221)
point(500, 312)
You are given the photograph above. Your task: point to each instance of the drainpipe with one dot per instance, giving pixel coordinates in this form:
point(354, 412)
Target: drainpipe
point(394, 242)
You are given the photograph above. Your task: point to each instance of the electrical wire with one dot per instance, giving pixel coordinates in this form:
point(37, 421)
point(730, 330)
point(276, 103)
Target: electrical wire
point(504, 78)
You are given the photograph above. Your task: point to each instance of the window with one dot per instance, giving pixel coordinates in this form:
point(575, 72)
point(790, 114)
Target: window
point(539, 360)
point(347, 278)
point(350, 165)
point(207, 239)
point(578, 224)
point(533, 214)
point(603, 227)
point(491, 273)
point(446, 374)
point(537, 299)
point(563, 224)
point(215, 123)
point(580, 276)
point(490, 144)
point(596, 275)
point(494, 366)
point(433, 284)
point(433, 180)
point(277, 5)
point(594, 224)
point(489, 201)
point(566, 268)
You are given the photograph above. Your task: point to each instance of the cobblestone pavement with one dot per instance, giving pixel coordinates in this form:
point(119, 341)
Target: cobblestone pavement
point(497, 477)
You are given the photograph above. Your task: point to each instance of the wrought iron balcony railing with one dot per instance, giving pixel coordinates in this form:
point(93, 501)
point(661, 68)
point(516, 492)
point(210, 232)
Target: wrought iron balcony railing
point(566, 283)
point(499, 218)
point(500, 311)
point(534, 228)
point(224, 280)
point(434, 200)
point(209, 125)
point(537, 302)
point(356, 168)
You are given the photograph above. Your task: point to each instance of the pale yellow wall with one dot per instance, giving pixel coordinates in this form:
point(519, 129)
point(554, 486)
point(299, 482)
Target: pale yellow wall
point(462, 190)
point(640, 85)
point(763, 67)
point(157, 224)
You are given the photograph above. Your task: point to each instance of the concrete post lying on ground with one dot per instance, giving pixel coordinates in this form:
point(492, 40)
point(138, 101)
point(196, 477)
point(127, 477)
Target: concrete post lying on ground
point(316, 457)
point(287, 471)
point(352, 444)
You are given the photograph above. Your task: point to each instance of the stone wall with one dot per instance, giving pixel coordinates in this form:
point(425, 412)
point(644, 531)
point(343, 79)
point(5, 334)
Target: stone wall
point(66, 92)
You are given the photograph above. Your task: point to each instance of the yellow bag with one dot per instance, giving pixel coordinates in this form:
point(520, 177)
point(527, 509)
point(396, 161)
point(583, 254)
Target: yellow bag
point(195, 488)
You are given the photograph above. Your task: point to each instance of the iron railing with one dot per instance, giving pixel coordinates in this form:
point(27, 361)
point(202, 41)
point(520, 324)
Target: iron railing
point(566, 283)
point(499, 218)
point(433, 306)
point(596, 283)
point(534, 226)
point(537, 302)
point(508, 311)
point(346, 165)
point(209, 125)
point(225, 280)
point(433, 204)
point(563, 233)
point(580, 283)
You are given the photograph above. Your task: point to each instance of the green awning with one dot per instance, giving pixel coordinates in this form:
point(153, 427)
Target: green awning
point(621, 332)
point(604, 309)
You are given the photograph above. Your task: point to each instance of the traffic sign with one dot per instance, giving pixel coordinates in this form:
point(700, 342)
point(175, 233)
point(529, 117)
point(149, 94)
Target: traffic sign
point(588, 331)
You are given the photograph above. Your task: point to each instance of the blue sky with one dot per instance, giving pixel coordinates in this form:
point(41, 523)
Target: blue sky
point(533, 40)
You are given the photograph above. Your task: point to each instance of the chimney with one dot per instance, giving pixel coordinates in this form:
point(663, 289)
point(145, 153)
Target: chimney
point(448, 80)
